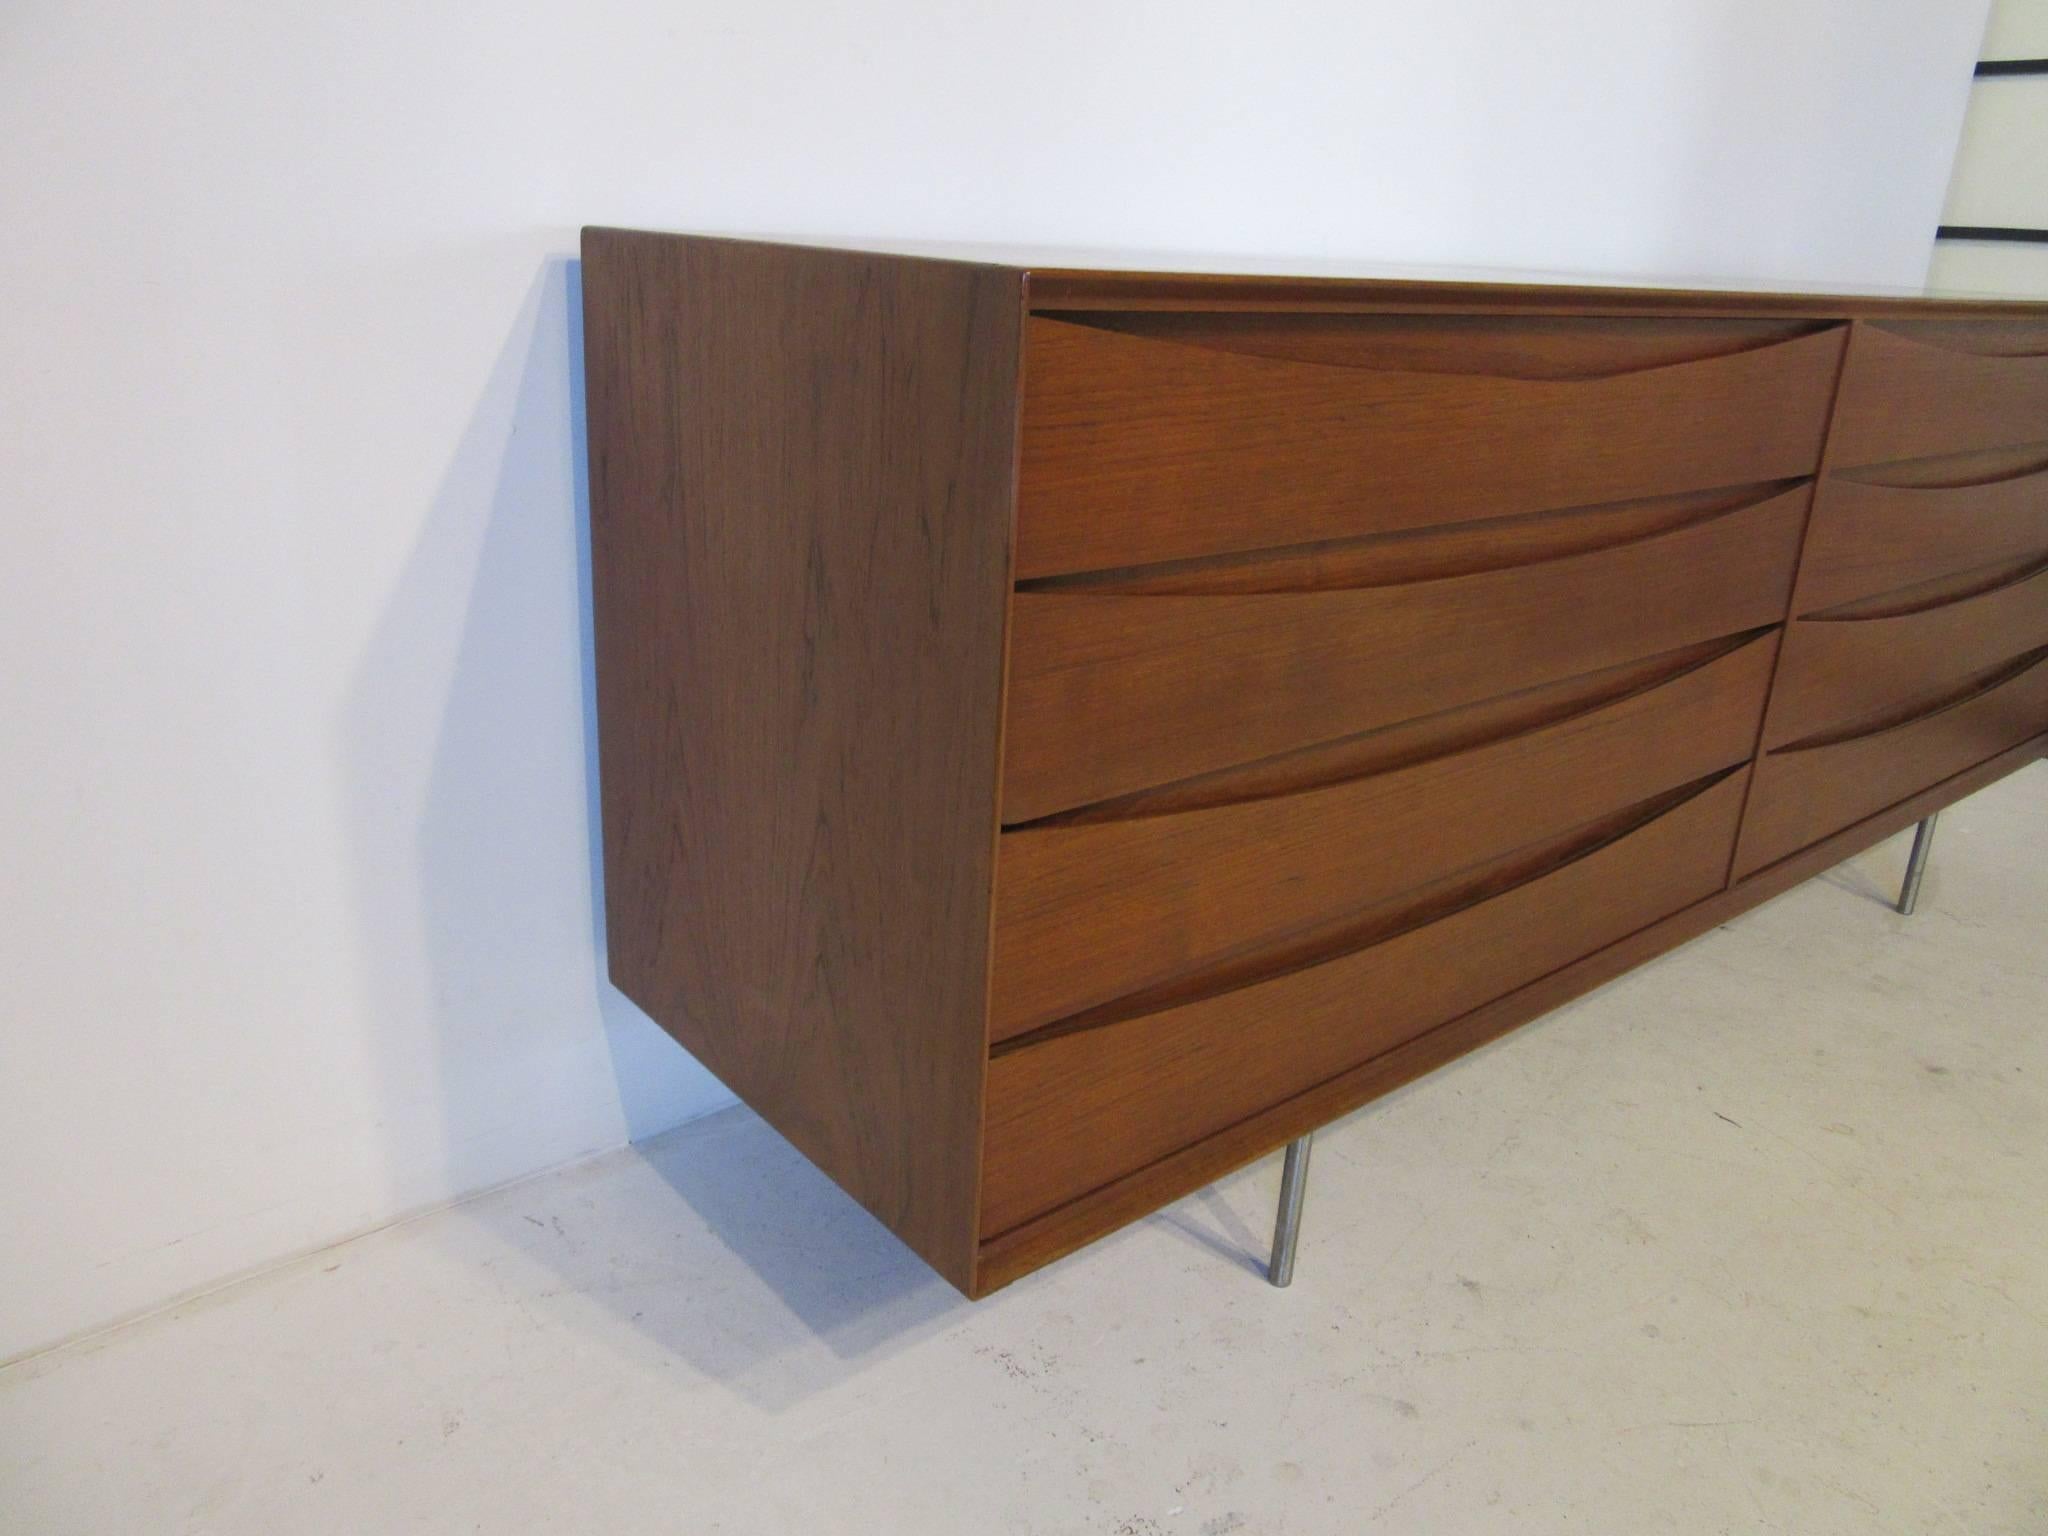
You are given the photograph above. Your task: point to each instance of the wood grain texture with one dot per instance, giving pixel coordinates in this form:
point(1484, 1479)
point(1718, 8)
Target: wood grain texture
point(1956, 471)
point(1089, 913)
point(1061, 1231)
point(1847, 675)
point(2011, 333)
point(1941, 592)
point(1076, 1112)
point(1509, 346)
point(801, 479)
point(1053, 287)
point(1804, 794)
point(1111, 694)
point(1870, 539)
point(1904, 397)
point(1424, 554)
point(1136, 450)
point(1389, 748)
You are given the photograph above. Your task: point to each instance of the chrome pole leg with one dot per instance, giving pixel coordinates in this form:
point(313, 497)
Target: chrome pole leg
point(1287, 1225)
point(1916, 865)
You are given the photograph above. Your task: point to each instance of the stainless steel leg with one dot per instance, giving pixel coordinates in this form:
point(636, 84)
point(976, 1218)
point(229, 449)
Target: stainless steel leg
point(1916, 865)
point(1287, 1225)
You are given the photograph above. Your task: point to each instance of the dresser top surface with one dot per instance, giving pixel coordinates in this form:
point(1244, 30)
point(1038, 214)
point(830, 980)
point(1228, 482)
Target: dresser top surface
point(1091, 278)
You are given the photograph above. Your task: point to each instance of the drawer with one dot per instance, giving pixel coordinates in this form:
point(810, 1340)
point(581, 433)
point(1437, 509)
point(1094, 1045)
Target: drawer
point(1805, 793)
point(1892, 528)
point(1138, 448)
point(1099, 914)
point(1877, 665)
point(1912, 391)
point(1071, 1113)
point(1112, 692)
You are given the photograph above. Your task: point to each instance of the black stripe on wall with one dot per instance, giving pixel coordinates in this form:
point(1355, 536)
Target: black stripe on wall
point(1991, 68)
point(1992, 232)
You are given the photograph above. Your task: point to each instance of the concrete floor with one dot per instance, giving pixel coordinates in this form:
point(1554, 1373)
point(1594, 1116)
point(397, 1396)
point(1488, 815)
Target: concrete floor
point(1755, 1239)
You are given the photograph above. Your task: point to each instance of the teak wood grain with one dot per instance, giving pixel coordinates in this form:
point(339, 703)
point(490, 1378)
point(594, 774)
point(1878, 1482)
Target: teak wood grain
point(1802, 794)
point(1110, 694)
point(1509, 346)
point(1056, 287)
point(1425, 554)
point(1869, 539)
point(1138, 450)
point(1089, 913)
point(1348, 671)
point(1059, 1232)
point(801, 474)
point(1851, 675)
point(1069, 1115)
point(1907, 396)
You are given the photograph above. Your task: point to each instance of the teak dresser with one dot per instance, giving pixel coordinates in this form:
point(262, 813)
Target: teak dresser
point(1066, 733)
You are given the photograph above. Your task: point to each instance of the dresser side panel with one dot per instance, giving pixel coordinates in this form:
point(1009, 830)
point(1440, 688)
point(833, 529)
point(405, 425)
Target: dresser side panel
point(802, 476)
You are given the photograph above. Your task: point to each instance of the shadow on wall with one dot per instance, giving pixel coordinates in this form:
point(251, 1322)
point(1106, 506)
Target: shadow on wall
point(469, 782)
point(469, 773)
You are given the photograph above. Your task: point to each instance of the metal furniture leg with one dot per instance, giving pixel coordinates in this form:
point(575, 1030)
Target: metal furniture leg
point(1287, 1225)
point(1916, 865)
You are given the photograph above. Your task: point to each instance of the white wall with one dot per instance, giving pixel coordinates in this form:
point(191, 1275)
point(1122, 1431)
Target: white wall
point(2001, 170)
point(296, 930)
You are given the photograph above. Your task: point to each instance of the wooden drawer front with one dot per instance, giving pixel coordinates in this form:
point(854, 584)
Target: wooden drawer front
point(1855, 675)
point(1804, 794)
point(1137, 449)
point(1100, 913)
point(1112, 693)
point(1911, 391)
point(1869, 537)
point(1071, 1113)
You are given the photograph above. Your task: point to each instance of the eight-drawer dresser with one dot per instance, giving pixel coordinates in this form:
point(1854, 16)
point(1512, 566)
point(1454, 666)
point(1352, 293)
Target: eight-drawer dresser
point(1065, 733)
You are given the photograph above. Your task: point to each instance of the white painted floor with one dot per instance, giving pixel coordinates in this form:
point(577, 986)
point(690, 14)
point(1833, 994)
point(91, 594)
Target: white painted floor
point(1753, 1240)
